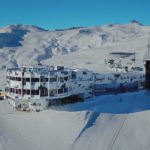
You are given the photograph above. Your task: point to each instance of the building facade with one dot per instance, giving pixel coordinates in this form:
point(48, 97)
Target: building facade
point(38, 86)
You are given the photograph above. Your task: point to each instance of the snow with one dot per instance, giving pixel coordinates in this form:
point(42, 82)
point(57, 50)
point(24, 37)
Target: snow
point(50, 129)
point(110, 122)
point(76, 48)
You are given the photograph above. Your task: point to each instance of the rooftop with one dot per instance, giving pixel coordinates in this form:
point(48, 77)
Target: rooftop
point(122, 54)
point(39, 68)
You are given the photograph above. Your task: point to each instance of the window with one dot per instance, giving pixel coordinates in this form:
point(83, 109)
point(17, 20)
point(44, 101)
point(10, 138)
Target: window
point(13, 78)
point(65, 90)
point(44, 79)
point(37, 92)
point(53, 92)
point(61, 79)
point(28, 92)
point(27, 79)
point(34, 104)
point(32, 92)
point(64, 72)
point(53, 80)
point(24, 81)
point(84, 72)
point(74, 75)
point(16, 91)
point(66, 78)
point(24, 91)
point(19, 91)
point(18, 79)
point(60, 91)
point(35, 79)
point(44, 92)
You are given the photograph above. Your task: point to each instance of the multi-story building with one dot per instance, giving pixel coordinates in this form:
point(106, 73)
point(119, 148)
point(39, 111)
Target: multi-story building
point(39, 86)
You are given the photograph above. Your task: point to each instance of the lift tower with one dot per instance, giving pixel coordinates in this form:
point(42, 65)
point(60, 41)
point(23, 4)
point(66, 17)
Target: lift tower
point(147, 67)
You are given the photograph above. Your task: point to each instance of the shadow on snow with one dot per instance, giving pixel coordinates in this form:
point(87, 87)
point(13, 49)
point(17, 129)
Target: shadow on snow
point(116, 104)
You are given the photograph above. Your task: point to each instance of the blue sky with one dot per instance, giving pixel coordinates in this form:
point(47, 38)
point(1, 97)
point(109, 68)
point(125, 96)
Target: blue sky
point(60, 14)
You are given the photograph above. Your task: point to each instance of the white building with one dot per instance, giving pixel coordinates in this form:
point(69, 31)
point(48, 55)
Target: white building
point(118, 83)
point(121, 61)
point(82, 83)
point(36, 87)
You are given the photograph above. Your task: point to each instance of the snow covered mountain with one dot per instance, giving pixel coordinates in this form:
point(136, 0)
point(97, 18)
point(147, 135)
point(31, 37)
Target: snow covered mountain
point(34, 43)
point(101, 123)
point(74, 47)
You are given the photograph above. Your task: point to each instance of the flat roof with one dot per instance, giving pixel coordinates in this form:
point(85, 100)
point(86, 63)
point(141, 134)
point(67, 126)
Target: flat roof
point(122, 53)
point(38, 68)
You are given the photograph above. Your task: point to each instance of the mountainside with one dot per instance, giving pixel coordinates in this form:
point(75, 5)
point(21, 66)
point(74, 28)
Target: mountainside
point(110, 122)
point(102, 123)
point(74, 47)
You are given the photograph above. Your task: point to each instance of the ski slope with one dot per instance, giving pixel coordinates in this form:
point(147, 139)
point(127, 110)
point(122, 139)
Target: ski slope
point(85, 47)
point(110, 122)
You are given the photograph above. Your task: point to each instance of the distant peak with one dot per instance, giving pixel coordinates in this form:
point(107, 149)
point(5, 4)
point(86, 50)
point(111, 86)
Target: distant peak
point(16, 25)
point(71, 28)
point(20, 26)
point(38, 28)
point(135, 22)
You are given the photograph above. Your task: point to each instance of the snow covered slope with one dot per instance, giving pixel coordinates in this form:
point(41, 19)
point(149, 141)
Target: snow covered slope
point(114, 122)
point(75, 47)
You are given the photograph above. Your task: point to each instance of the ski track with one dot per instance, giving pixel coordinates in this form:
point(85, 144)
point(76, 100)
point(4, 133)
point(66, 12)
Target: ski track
point(124, 118)
point(116, 133)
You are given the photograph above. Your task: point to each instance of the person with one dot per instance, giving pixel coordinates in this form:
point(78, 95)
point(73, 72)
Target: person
point(120, 99)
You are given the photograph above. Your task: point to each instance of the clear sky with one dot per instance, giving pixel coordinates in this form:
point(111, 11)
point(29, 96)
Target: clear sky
point(60, 14)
